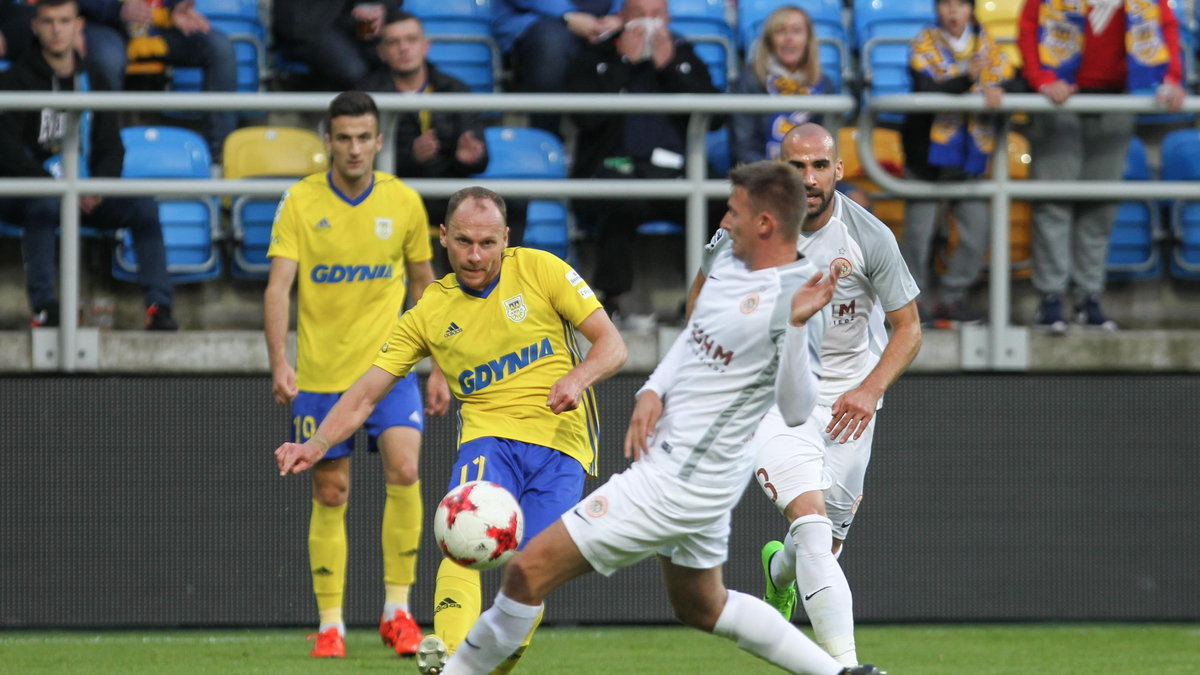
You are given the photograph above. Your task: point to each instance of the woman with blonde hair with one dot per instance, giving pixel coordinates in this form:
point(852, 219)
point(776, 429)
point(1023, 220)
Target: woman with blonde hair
point(783, 60)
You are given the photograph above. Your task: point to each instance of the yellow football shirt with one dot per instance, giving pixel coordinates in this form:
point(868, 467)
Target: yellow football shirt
point(502, 350)
point(351, 257)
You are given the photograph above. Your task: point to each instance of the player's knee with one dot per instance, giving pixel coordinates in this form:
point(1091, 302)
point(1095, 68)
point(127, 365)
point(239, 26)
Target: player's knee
point(329, 491)
point(813, 535)
point(403, 471)
point(521, 579)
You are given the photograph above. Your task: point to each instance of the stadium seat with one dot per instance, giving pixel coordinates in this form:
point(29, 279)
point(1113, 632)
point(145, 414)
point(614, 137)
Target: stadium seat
point(716, 150)
point(704, 25)
point(1133, 245)
point(238, 19)
point(1181, 161)
point(547, 228)
point(834, 47)
point(890, 153)
point(461, 42)
point(999, 18)
point(265, 152)
point(188, 225)
point(520, 152)
point(883, 30)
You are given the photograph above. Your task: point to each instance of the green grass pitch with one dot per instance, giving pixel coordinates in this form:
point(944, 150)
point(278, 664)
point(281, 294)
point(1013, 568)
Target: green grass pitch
point(1128, 649)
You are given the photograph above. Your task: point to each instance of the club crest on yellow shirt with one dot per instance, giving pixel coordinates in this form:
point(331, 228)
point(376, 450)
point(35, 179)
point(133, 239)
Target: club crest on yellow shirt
point(383, 227)
point(515, 308)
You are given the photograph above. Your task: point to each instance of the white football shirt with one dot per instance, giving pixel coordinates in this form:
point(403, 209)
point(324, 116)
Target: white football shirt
point(719, 377)
point(872, 279)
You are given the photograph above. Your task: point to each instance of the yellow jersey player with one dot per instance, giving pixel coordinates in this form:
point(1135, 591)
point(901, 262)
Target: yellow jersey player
point(357, 240)
point(501, 326)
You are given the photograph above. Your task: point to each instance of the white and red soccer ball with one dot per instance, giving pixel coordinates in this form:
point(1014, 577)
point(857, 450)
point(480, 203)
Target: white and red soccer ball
point(479, 525)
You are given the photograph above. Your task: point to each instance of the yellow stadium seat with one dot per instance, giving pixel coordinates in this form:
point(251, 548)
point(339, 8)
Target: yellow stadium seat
point(260, 152)
point(999, 18)
point(265, 152)
point(890, 153)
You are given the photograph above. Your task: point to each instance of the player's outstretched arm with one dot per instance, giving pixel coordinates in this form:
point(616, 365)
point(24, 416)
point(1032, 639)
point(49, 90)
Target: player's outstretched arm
point(347, 415)
point(603, 360)
point(853, 410)
point(276, 304)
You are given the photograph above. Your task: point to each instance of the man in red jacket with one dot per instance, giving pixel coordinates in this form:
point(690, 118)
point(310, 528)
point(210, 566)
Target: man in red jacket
point(1079, 46)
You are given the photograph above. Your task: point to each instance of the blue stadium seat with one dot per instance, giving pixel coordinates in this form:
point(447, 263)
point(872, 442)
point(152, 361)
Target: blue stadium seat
point(883, 30)
point(238, 19)
point(188, 225)
point(704, 25)
point(461, 41)
point(1181, 161)
point(826, 15)
point(716, 149)
point(1133, 244)
point(519, 152)
point(547, 227)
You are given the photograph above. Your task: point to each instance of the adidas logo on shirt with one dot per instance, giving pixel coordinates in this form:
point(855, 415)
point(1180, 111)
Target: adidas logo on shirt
point(323, 224)
point(452, 330)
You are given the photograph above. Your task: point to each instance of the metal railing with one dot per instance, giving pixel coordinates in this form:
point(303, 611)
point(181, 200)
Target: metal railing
point(997, 347)
point(1000, 345)
point(694, 187)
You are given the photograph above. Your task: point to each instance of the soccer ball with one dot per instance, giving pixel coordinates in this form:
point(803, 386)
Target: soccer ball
point(479, 525)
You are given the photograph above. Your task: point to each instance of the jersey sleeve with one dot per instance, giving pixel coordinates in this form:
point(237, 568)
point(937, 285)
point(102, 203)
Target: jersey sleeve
point(888, 272)
point(569, 294)
point(416, 243)
point(405, 346)
point(285, 231)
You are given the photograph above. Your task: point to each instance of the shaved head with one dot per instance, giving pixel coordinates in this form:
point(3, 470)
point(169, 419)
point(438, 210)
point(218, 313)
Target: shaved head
point(813, 151)
point(811, 131)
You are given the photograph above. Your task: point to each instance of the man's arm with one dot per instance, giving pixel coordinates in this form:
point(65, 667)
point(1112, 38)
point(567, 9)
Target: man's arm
point(853, 410)
point(347, 415)
point(276, 307)
point(437, 392)
point(603, 360)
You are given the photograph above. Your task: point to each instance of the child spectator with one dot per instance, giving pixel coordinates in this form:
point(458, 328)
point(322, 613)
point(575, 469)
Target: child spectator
point(953, 56)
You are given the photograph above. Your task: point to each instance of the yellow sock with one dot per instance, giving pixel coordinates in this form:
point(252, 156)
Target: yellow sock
point(506, 666)
point(456, 603)
point(402, 516)
point(327, 550)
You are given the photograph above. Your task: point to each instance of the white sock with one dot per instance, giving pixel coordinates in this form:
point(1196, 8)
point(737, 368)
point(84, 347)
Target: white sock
point(823, 587)
point(759, 629)
point(496, 634)
point(783, 564)
point(390, 609)
point(341, 628)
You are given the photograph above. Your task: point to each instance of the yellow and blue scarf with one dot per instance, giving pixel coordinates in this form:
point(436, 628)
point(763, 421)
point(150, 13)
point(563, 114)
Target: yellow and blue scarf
point(780, 81)
point(960, 141)
point(1062, 26)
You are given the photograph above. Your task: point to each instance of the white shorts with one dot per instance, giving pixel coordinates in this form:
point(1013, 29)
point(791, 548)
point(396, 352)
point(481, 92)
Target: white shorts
point(641, 512)
point(790, 461)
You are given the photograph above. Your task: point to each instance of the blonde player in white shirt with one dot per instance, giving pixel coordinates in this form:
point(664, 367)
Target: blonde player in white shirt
point(814, 472)
point(747, 343)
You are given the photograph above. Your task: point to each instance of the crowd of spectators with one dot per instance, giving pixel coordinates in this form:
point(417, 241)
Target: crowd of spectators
point(610, 46)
